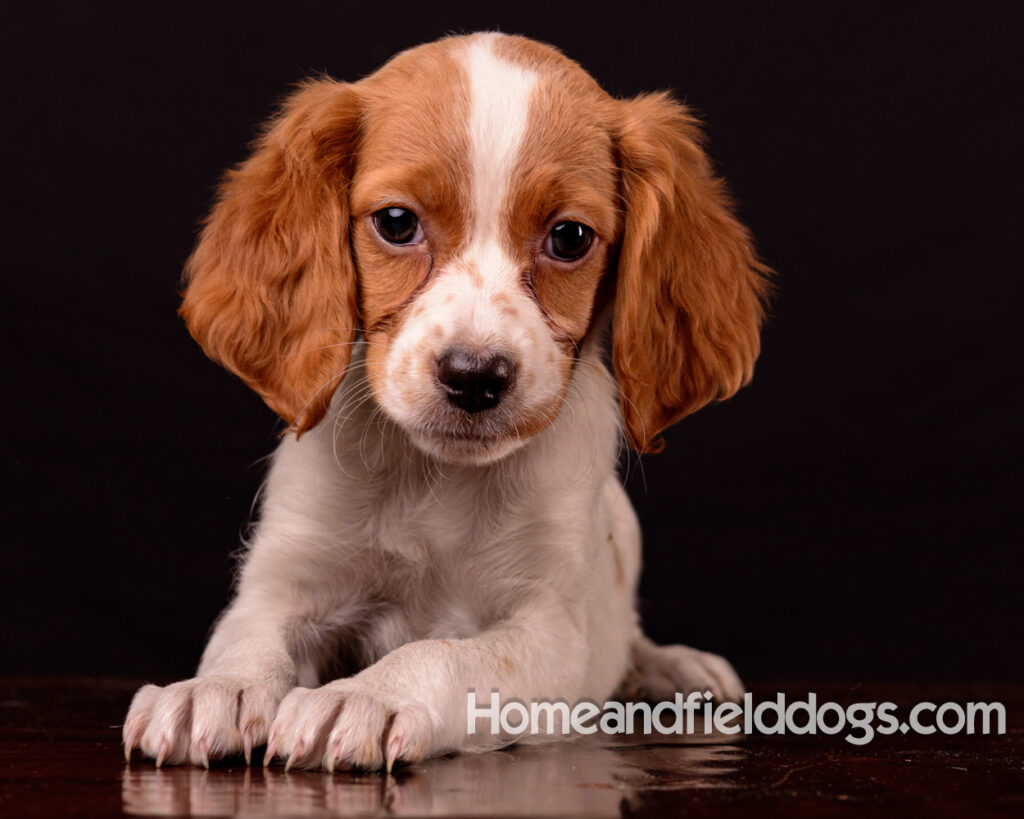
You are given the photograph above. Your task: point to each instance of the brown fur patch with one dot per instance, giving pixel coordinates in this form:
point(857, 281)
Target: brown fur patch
point(689, 301)
point(566, 172)
point(414, 153)
point(472, 272)
point(620, 571)
point(271, 288)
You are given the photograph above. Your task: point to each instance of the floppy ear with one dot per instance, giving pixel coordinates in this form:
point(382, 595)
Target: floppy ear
point(270, 288)
point(688, 301)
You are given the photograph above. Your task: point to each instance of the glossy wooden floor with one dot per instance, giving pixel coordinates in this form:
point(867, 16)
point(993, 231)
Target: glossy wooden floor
point(60, 755)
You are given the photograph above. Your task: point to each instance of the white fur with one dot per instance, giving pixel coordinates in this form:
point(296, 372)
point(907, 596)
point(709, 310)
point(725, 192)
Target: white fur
point(415, 571)
point(500, 94)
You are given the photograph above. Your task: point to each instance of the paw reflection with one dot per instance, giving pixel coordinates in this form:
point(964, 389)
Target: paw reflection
point(585, 778)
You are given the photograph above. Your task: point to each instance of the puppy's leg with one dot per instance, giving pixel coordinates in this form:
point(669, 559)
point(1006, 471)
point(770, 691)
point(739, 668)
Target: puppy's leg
point(228, 707)
point(660, 671)
point(413, 702)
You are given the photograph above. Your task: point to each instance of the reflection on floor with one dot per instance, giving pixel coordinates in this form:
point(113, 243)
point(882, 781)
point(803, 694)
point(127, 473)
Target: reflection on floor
point(60, 754)
point(580, 778)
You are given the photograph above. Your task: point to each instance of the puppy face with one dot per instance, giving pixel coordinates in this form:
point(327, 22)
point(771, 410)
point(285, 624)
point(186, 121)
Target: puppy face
point(462, 207)
point(482, 225)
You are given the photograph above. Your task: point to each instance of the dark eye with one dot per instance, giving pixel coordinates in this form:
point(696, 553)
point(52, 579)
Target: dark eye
point(568, 241)
point(399, 226)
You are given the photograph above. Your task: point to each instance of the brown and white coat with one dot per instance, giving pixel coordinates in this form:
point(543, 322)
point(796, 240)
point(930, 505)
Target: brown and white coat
point(411, 548)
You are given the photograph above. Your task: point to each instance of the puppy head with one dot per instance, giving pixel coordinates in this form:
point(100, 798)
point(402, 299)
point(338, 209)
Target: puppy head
point(463, 207)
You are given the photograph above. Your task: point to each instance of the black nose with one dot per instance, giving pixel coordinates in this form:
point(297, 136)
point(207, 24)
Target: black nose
point(473, 383)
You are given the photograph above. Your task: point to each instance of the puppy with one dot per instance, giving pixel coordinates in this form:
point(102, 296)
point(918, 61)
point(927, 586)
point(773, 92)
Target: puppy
point(418, 271)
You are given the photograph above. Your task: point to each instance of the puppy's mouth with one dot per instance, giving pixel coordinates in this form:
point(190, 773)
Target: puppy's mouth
point(466, 435)
point(467, 441)
point(460, 435)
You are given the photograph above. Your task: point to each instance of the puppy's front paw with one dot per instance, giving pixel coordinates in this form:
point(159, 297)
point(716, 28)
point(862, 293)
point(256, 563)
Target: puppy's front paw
point(665, 670)
point(345, 725)
point(198, 720)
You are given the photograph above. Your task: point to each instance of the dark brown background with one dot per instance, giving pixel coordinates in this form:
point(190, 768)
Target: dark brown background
point(851, 515)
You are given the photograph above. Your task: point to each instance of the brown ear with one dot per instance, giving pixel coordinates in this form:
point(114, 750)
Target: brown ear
point(688, 302)
point(270, 289)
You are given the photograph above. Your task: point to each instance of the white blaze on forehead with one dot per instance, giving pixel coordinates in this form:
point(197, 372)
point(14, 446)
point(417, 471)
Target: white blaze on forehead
point(500, 104)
